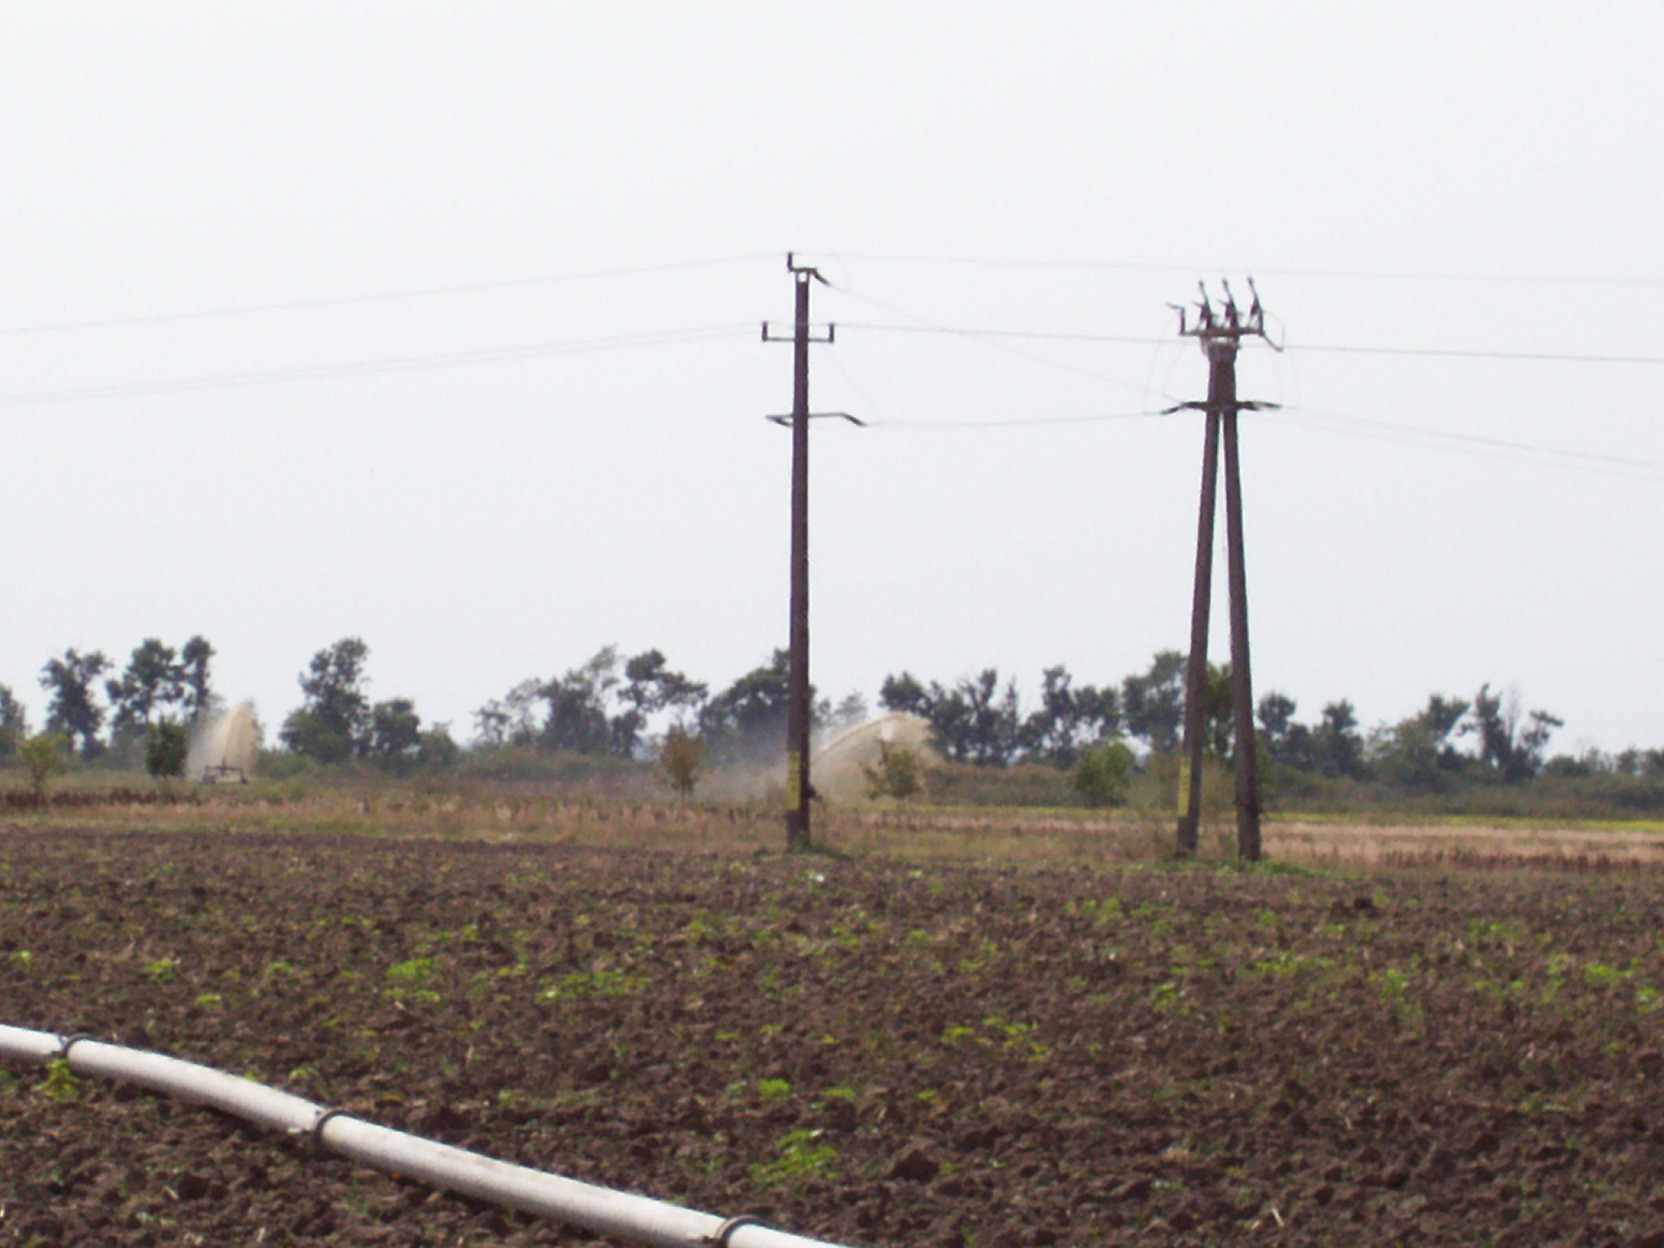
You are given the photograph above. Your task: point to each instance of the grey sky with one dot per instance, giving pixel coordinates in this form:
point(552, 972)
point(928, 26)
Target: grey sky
point(482, 520)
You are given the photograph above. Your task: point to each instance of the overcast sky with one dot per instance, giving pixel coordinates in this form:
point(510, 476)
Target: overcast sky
point(438, 325)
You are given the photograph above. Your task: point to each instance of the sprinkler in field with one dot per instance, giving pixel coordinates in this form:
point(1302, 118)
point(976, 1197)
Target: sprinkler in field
point(222, 749)
point(221, 772)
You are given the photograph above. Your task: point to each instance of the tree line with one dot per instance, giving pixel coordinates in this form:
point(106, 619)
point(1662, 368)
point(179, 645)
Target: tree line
point(610, 704)
point(161, 686)
point(979, 719)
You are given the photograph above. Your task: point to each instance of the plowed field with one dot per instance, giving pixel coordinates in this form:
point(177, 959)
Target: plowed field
point(865, 1051)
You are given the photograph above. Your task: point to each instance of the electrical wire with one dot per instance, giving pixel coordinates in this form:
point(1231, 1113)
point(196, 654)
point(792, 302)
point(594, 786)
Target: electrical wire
point(923, 324)
point(1433, 352)
point(1641, 469)
point(1455, 353)
point(1042, 335)
point(856, 386)
point(1016, 422)
point(358, 368)
point(386, 296)
point(1118, 266)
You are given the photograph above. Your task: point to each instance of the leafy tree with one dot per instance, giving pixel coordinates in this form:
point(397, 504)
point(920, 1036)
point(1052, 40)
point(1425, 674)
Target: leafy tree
point(197, 687)
point(14, 723)
point(1286, 741)
point(682, 756)
point(395, 735)
point(577, 720)
point(905, 694)
point(1068, 718)
point(1152, 704)
point(850, 713)
point(1591, 762)
point(71, 710)
point(975, 721)
point(1420, 752)
point(1634, 762)
point(43, 757)
point(1102, 775)
point(978, 720)
point(752, 709)
point(1513, 749)
point(438, 749)
point(330, 726)
point(166, 746)
point(512, 721)
point(1218, 718)
point(650, 686)
point(153, 680)
point(1337, 745)
point(600, 707)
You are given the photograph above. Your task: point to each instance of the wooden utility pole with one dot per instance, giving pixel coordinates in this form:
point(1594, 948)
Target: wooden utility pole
point(1220, 336)
point(799, 719)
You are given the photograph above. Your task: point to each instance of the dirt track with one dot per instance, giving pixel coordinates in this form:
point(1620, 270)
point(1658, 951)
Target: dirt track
point(866, 1052)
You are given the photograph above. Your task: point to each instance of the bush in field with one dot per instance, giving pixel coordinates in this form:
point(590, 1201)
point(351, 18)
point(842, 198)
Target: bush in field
point(682, 757)
point(43, 757)
point(898, 773)
point(165, 747)
point(1103, 774)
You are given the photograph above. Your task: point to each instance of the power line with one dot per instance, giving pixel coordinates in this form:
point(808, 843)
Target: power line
point(386, 296)
point(1039, 335)
point(1645, 469)
point(357, 368)
point(1121, 266)
point(1558, 357)
point(1016, 422)
point(1566, 357)
point(923, 324)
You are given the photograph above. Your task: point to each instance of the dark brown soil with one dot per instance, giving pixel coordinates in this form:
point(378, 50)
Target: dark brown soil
point(862, 1051)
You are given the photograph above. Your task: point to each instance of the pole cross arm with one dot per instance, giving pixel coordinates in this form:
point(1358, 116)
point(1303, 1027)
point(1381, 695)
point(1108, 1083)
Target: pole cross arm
point(1202, 405)
point(787, 420)
point(770, 336)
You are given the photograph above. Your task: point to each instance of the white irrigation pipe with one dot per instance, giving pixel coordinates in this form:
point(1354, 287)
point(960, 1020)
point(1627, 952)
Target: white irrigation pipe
point(598, 1209)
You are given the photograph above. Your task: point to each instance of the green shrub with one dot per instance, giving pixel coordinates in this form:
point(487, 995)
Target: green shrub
point(1103, 774)
point(898, 773)
point(165, 748)
point(43, 757)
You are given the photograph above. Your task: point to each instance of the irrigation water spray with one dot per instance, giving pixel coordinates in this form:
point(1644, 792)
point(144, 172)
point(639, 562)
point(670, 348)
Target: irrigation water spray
point(840, 766)
point(224, 743)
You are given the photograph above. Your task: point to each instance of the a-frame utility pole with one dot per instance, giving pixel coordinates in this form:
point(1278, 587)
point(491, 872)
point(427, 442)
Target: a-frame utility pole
point(1220, 335)
point(799, 790)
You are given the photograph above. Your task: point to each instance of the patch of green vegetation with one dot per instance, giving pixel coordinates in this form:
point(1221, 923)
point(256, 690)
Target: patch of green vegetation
point(800, 1156)
point(605, 983)
point(1558, 965)
point(61, 1083)
point(1483, 933)
point(408, 981)
point(773, 1089)
point(1604, 976)
point(1287, 964)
